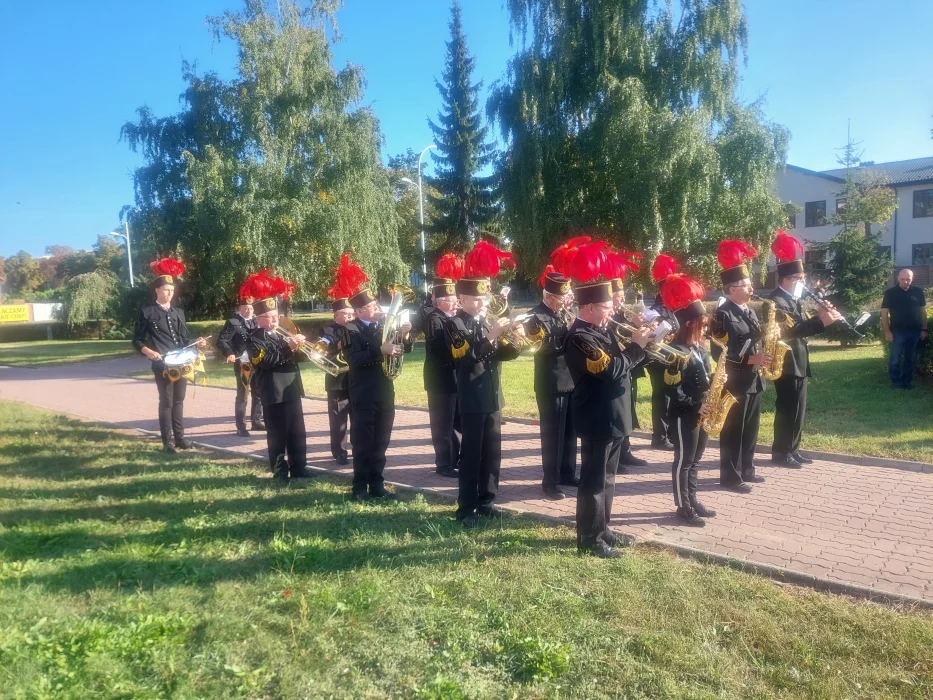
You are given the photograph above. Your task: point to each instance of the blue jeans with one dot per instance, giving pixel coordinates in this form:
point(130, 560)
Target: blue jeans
point(905, 344)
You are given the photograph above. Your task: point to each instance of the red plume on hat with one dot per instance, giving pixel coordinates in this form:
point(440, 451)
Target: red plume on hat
point(485, 260)
point(547, 270)
point(617, 264)
point(450, 266)
point(349, 278)
point(663, 266)
point(679, 291)
point(264, 284)
point(168, 266)
point(590, 263)
point(733, 253)
point(563, 255)
point(786, 248)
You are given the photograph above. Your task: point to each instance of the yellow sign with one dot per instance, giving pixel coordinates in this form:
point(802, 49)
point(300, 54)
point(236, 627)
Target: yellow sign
point(14, 314)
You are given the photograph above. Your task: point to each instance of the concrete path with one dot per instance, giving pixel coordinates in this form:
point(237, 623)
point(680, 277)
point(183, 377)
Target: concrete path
point(865, 525)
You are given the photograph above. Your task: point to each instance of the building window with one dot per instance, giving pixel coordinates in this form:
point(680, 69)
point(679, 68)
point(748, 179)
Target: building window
point(814, 260)
point(923, 203)
point(884, 251)
point(816, 213)
point(840, 205)
point(922, 254)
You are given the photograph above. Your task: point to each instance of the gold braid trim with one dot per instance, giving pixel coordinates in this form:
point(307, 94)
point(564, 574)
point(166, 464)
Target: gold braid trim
point(460, 351)
point(672, 379)
point(598, 365)
point(258, 358)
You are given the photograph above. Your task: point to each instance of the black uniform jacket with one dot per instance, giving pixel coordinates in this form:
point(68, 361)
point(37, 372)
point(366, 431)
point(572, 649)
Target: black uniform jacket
point(797, 361)
point(687, 385)
point(160, 330)
point(335, 336)
point(477, 359)
point(276, 365)
point(551, 373)
point(732, 326)
point(234, 336)
point(602, 408)
point(367, 381)
point(440, 375)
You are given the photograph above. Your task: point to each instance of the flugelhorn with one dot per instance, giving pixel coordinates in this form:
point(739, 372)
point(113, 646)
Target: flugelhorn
point(316, 352)
point(658, 351)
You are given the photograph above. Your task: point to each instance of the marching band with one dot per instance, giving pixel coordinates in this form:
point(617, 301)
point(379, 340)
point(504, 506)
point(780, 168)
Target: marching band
point(587, 356)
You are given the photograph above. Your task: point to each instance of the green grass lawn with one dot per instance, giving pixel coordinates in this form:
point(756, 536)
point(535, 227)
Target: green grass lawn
point(54, 352)
point(128, 573)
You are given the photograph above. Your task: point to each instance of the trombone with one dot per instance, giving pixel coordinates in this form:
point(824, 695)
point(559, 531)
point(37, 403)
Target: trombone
point(316, 352)
point(661, 352)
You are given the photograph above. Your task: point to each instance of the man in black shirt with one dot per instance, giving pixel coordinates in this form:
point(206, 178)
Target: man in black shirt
point(904, 320)
point(337, 387)
point(160, 329)
point(232, 346)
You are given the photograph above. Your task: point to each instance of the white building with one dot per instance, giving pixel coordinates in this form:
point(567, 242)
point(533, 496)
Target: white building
point(908, 236)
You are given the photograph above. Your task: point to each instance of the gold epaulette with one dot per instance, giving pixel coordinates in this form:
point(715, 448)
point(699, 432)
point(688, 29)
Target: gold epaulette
point(459, 351)
point(672, 379)
point(724, 338)
point(258, 357)
point(539, 335)
point(598, 365)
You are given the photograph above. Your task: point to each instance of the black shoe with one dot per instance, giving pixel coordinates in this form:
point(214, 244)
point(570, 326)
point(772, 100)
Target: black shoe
point(382, 493)
point(755, 479)
point(449, 472)
point(740, 487)
point(614, 540)
point(662, 444)
point(168, 449)
point(342, 460)
point(631, 460)
point(621, 470)
point(690, 517)
point(800, 458)
point(575, 482)
point(242, 432)
point(554, 493)
point(362, 497)
point(281, 475)
point(258, 426)
point(702, 510)
point(302, 473)
point(184, 444)
point(471, 521)
point(785, 460)
point(490, 511)
point(601, 550)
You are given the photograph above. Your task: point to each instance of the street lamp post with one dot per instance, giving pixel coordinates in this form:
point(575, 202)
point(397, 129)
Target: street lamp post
point(424, 258)
point(129, 254)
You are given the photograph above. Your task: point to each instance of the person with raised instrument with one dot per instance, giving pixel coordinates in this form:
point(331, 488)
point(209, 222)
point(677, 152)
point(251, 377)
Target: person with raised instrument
point(232, 344)
point(275, 357)
point(160, 329)
point(601, 406)
point(337, 387)
point(687, 385)
point(478, 347)
point(372, 393)
point(440, 375)
point(663, 266)
point(735, 325)
point(791, 387)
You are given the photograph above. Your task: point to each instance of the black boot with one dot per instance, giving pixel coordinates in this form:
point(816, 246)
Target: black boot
point(702, 510)
point(690, 517)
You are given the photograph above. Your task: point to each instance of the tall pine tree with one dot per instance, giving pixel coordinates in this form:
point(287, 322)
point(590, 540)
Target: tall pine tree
point(465, 201)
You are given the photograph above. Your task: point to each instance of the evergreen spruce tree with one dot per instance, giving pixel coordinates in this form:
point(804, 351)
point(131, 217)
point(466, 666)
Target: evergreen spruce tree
point(465, 201)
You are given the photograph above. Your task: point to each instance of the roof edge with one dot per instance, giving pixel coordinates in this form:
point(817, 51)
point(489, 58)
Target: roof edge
point(815, 173)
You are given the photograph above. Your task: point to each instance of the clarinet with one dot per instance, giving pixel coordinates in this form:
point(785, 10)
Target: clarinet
point(820, 301)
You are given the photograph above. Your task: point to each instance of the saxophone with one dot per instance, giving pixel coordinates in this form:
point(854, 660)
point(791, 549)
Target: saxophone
point(720, 399)
point(773, 345)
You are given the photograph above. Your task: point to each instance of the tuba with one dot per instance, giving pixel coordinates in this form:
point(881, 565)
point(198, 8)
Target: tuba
point(392, 364)
point(720, 399)
point(773, 345)
point(316, 352)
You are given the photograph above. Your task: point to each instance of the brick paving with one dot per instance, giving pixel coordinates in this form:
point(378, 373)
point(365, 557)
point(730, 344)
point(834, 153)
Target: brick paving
point(867, 525)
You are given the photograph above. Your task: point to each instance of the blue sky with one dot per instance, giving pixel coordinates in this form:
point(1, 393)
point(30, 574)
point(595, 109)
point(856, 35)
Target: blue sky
point(75, 72)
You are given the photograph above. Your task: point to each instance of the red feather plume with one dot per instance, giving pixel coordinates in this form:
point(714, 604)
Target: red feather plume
point(263, 284)
point(450, 266)
point(617, 264)
point(548, 270)
point(733, 253)
point(485, 260)
point(563, 255)
point(590, 262)
point(663, 266)
point(168, 266)
point(349, 278)
point(786, 248)
point(679, 291)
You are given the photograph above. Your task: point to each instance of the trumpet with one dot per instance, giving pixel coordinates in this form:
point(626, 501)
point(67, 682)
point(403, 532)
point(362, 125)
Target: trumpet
point(316, 352)
point(498, 307)
point(661, 352)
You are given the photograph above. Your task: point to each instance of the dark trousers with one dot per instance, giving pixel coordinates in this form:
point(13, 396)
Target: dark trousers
point(659, 401)
point(558, 438)
point(738, 438)
point(171, 407)
point(286, 437)
point(239, 408)
point(689, 444)
point(789, 411)
point(445, 430)
point(599, 460)
point(370, 431)
point(480, 458)
point(904, 346)
point(338, 413)
point(636, 425)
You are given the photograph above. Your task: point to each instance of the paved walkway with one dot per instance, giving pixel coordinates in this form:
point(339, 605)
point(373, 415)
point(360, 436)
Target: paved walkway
point(869, 526)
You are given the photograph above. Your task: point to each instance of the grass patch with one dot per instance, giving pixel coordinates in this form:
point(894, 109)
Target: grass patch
point(56, 352)
point(125, 572)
